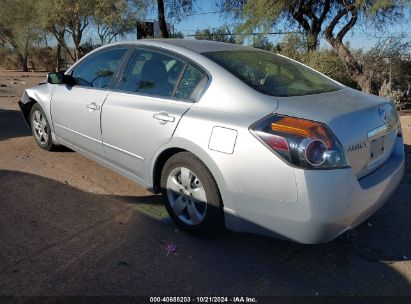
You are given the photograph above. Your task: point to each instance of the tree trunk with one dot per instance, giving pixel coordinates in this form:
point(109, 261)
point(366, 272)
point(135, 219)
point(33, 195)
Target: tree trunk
point(312, 41)
point(76, 42)
point(362, 75)
point(58, 59)
point(364, 80)
point(77, 34)
point(162, 19)
point(77, 52)
point(23, 62)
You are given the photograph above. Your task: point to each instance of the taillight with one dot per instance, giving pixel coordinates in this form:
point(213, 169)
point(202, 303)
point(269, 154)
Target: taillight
point(303, 143)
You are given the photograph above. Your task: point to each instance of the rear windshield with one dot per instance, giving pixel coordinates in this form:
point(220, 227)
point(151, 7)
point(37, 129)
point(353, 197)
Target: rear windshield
point(272, 74)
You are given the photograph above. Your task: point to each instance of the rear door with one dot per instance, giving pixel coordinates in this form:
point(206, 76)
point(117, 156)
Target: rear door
point(154, 91)
point(76, 109)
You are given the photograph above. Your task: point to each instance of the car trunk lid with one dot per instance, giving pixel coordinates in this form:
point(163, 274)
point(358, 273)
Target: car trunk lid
point(366, 125)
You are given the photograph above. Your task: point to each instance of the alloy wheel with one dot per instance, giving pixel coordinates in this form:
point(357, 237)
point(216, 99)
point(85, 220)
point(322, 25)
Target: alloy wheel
point(40, 127)
point(186, 196)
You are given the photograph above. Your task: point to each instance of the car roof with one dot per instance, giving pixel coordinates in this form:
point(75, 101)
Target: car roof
point(202, 46)
point(198, 46)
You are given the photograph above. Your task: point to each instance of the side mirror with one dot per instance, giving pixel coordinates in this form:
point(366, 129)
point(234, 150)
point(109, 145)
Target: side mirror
point(60, 78)
point(55, 77)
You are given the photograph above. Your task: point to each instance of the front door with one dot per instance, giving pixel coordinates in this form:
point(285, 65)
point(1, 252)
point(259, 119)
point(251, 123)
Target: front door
point(76, 110)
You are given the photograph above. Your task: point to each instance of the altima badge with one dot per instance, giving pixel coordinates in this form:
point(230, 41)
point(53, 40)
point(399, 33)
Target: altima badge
point(357, 146)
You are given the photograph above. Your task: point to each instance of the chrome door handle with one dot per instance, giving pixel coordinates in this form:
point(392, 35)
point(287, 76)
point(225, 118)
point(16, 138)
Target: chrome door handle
point(93, 106)
point(164, 117)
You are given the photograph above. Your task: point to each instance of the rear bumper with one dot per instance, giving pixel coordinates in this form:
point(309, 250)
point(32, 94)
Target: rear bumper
point(329, 203)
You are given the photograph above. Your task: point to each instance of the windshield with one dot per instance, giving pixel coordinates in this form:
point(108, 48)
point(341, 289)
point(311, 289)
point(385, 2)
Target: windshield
point(272, 74)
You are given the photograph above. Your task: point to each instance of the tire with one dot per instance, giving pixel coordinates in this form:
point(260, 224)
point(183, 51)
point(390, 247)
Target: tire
point(185, 184)
point(40, 128)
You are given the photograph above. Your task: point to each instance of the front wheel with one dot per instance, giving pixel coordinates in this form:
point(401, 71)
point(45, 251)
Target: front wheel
point(191, 195)
point(41, 128)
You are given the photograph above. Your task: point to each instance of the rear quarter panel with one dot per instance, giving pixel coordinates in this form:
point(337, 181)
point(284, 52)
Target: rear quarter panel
point(250, 169)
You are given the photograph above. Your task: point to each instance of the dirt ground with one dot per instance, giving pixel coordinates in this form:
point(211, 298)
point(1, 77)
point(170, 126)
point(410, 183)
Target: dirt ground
point(71, 227)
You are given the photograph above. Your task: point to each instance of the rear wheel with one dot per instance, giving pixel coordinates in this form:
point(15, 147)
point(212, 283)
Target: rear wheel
point(191, 195)
point(41, 128)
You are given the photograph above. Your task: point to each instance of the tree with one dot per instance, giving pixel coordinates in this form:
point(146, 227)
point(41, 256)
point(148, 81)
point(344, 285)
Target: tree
point(162, 19)
point(175, 10)
point(72, 17)
point(347, 15)
point(19, 27)
point(310, 15)
point(222, 34)
point(113, 18)
point(332, 18)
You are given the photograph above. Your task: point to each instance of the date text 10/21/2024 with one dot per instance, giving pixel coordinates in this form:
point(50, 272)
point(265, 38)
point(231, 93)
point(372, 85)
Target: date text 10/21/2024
point(239, 299)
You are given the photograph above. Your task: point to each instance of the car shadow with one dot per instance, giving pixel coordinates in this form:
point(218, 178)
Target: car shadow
point(12, 125)
point(407, 174)
point(58, 240)
point(137, 200)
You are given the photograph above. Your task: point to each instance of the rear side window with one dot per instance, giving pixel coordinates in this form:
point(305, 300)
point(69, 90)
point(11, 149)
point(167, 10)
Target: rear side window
point(191, 84)
point(98, 70)
point(151, 73)
point(272, 74)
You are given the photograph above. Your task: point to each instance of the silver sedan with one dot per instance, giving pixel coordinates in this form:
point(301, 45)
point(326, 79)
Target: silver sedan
point(230, 135)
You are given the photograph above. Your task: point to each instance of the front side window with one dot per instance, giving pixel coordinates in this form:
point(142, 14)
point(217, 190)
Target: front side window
point(272, 74)
point(151, 73)
point(98, 70)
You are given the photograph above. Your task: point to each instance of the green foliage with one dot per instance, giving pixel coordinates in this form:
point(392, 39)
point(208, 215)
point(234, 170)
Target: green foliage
point(222, 34)
point(260, 14)
point(266, 14)
point(262, 42)
point(177, 35)
point(292, 46)
point(177, 9)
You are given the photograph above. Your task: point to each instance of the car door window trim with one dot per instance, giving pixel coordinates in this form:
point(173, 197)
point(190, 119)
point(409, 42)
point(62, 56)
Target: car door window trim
point(113, 80)
point(170, 53)
point(183, 70)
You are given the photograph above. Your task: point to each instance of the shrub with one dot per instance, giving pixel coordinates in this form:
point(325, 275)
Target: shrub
point(328, 63)
point(43, 58)
point(324, 61)
point(8, 60)
point(397, 96)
